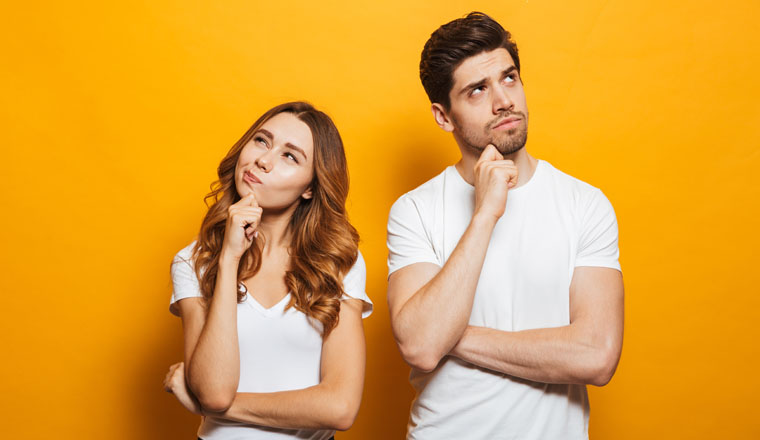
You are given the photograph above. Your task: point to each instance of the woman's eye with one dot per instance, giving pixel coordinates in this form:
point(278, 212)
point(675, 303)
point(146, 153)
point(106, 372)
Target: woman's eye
point(260, 140)
point(291, 157)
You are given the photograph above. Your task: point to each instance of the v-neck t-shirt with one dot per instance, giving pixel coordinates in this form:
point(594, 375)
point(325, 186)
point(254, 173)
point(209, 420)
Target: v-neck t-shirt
point(280, 347)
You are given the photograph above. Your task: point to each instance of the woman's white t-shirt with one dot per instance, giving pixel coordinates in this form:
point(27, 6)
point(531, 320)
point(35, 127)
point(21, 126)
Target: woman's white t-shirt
point(280, 349)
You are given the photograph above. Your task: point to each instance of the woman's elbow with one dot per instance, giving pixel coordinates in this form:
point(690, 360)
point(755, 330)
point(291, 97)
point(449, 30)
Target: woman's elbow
point(343, 415)
point(212, 396)
point(344, 420)
point(215, 402)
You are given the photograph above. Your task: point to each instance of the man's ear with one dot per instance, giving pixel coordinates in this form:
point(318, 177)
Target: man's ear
point(307, 194)
point(441, 117)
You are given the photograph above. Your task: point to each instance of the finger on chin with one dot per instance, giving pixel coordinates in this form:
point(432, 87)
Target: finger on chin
point(492, 153)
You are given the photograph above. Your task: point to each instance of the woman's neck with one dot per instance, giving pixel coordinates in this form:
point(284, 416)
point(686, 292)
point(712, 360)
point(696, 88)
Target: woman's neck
point(275, 226)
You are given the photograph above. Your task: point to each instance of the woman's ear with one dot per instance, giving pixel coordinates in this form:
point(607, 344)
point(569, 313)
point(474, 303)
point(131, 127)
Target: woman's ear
point(307, 194)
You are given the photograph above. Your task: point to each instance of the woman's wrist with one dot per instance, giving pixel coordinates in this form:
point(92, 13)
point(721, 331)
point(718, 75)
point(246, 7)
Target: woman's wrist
point(228, 261)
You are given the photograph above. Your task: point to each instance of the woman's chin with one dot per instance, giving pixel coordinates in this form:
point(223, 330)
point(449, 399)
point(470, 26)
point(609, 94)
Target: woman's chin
point(277, 208)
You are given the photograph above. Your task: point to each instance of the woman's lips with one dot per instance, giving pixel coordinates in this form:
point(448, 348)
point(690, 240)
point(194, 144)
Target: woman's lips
point(250, 177)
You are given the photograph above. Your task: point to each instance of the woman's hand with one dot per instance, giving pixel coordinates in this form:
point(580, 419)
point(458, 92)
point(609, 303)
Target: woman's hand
point(242, 220)
point(175, 383)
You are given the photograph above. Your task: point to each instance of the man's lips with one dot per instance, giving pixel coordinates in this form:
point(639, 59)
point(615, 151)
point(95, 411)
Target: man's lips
point(250, 177)
point(508, 123)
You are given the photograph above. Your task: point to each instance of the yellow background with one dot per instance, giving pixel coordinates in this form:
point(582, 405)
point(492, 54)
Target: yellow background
point(115, 116)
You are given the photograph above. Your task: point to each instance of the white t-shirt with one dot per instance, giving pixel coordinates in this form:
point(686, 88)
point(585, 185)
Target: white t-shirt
point(552, 224)
point(280, 349)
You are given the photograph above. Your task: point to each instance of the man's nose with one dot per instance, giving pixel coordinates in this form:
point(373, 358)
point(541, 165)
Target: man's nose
point(501, 101)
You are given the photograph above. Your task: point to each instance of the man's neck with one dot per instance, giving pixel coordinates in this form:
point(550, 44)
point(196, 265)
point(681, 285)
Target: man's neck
point(525, 163)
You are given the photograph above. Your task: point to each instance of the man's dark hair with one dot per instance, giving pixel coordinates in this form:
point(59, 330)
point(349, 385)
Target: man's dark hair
point(454, 42)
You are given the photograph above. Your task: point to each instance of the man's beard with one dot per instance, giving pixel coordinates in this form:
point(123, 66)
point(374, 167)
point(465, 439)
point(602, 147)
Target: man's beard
point(508, 143)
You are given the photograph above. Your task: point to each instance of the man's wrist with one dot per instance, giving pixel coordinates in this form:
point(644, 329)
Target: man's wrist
point(458, 350)
point(482, 220)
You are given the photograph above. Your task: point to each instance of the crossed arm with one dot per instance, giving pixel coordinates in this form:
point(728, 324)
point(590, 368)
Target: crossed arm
point(430, 307)
point(584, 352)
point(332, 404)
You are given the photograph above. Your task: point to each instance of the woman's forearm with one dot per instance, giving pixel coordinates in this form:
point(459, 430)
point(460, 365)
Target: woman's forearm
point(317, 407)
point(214, 368)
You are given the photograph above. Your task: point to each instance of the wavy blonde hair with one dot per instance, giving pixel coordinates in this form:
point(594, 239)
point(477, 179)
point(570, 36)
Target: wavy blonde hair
point(324, 244)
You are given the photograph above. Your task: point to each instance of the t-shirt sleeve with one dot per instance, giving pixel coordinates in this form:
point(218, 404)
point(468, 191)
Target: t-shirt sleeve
point(185, 283)
point(354, 285)
point(408, 243)
point(598, 245)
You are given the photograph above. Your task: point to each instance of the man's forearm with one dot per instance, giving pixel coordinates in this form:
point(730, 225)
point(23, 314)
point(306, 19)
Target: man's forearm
point(567, 354)
point(433, 319)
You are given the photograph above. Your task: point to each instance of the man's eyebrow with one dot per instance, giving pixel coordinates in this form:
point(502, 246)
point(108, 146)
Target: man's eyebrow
point(473, 86)
point(508, 71)
point(482, 82)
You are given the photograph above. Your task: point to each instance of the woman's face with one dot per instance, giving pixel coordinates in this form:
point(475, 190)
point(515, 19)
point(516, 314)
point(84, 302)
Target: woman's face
point(277, 164)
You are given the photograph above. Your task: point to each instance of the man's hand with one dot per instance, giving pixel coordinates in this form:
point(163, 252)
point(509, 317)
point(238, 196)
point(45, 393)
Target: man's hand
point(494, 176)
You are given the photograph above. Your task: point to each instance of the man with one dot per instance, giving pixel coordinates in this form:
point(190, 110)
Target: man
point(505, 291)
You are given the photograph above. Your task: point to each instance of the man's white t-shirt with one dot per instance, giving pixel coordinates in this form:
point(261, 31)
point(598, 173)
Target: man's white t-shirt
point(552, 224)
point(280, 349)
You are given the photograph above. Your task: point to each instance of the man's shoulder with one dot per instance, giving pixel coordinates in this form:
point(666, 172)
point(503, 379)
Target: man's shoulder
point(564, 181)
point(426, 193)
point(585, 199)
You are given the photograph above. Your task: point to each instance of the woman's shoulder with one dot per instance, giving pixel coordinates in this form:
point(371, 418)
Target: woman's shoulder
point(354, 284)
point(185, 254)
point(359, 264)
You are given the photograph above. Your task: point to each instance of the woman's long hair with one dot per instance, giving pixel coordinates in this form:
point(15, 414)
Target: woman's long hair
point(324, 244)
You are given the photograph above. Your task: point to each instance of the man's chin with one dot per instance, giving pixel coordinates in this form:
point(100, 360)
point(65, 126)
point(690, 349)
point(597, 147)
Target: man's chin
point(506, 143)
point(513, 144)
point(506, 150)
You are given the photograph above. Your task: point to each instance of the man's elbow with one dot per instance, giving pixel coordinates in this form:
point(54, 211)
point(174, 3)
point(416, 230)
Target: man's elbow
point(603, 368)
point(419, 357)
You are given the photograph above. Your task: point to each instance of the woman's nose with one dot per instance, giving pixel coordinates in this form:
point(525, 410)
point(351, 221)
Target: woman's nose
point(264, 162)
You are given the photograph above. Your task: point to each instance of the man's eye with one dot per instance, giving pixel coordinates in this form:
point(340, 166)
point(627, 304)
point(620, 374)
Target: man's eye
point(477, 91)
point(510, 78)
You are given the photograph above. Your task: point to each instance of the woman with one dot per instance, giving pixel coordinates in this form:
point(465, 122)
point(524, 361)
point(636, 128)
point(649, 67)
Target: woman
point(271, 294)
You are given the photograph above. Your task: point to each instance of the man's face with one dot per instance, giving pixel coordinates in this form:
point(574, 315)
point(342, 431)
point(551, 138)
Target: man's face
point(488, 103)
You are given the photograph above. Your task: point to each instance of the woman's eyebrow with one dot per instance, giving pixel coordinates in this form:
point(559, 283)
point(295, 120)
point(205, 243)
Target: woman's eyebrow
point(265, 133)
point(292, 146)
